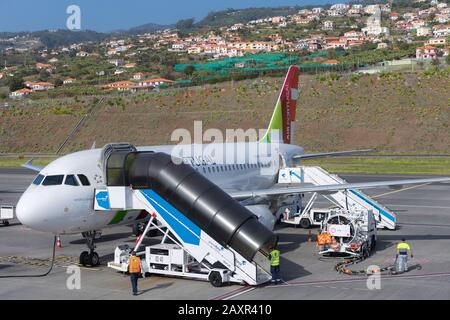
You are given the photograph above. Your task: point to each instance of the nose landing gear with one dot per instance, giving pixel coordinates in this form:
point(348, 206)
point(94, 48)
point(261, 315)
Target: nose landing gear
point(90, 258)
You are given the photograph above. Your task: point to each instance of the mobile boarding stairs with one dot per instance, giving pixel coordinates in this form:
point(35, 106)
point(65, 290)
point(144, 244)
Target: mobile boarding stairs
point(351, 199)
point(212, 237)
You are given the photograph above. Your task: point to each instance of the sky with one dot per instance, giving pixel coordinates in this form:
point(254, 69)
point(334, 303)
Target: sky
point(109, 15)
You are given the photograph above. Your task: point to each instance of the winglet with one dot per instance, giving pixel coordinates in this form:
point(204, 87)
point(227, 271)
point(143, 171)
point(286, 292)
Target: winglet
point(29, 165)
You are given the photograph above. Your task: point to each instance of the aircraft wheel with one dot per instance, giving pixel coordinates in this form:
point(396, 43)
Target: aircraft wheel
point(215, 279)
point(374, 244)
point(94, 259)
point(84, 257)
point(365, 251)
point(305, 223)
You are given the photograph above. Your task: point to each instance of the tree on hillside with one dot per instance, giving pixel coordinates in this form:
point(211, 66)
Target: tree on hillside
point(58, 82)
point(185, 24)
point(189, 70)
point(15, 83)
point(435, 62)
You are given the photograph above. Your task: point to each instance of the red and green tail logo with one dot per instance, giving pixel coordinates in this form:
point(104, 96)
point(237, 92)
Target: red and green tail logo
point(283, 117)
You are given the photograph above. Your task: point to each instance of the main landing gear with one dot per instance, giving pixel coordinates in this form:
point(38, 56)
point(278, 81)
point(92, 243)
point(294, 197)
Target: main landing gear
point(90, 258)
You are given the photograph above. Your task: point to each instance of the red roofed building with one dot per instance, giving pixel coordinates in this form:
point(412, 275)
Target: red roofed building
point(427, 52)
point(138, 75)
point(21, 93)
point(39, 86)
point(441, 30)
point(394, 16)
point(155, 82)
point(126, 86)
point(331, 62)
point(41, 66)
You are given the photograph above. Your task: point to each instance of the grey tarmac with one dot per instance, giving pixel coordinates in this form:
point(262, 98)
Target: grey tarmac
point(423, 219)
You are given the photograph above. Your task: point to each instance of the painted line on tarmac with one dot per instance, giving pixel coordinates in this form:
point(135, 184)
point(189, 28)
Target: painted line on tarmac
point(416, 206)
point(424, 225)
point(239, 293)
point(359, 279)
point(400, 190)
point(234, 293)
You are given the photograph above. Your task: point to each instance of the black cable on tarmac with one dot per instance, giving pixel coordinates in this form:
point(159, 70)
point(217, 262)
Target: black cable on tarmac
point(342, 267)
point(36, 275)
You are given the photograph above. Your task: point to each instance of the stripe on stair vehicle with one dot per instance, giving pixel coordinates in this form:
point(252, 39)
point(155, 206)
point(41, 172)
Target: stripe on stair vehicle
point(381, 210)
point(185, 228)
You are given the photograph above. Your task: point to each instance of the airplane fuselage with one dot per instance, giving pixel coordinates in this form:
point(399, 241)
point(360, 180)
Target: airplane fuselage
point(61, 198)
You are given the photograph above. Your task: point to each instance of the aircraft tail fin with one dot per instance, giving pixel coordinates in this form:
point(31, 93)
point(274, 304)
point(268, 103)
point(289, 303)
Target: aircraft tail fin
point(283, 117)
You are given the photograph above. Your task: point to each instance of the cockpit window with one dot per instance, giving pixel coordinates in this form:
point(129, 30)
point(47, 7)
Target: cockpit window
point(53, 180)
point(84, 180)
point(71, 180)
point(37, 181)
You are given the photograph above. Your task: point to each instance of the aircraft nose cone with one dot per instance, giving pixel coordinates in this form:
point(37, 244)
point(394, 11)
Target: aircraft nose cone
point(31, 211)
point(24, 211)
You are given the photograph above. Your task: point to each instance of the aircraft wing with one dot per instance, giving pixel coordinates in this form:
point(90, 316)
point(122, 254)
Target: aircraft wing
point(328, 154)
point(29, 165)
point(331, 187)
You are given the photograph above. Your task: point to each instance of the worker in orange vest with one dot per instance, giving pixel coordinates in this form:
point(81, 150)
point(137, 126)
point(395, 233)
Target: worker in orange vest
point(134, 268)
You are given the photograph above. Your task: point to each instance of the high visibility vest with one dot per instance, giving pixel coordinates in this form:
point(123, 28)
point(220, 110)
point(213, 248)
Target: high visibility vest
point(134, 264)
point(275, 258)
point(403, 248)
point(323, 238)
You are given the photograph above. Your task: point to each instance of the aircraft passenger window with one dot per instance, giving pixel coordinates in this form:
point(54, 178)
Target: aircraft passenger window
point(53, 180)
point(84, 180)
point(37, 181)
point(209, 169)
point(71, 181)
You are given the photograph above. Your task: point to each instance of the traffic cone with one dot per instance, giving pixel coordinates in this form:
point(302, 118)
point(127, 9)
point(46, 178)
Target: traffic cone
point(58, 242)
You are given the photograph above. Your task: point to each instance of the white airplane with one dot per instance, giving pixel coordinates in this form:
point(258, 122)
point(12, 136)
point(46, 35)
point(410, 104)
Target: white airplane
point(60, 200)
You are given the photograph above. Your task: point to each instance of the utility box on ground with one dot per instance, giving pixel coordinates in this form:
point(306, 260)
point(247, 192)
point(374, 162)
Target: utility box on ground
point(6, 214)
